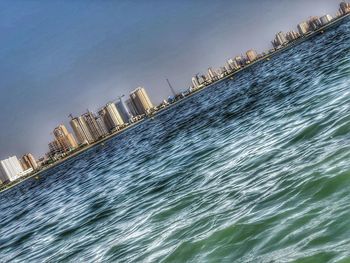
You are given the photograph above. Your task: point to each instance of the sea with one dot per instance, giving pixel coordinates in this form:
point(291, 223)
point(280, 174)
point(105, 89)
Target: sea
point(251, 169)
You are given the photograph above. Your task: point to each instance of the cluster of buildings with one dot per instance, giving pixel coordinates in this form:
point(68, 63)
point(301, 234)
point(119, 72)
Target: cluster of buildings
point(87, 128)
point(12, 169)
point(91, 127)
point(281, 40)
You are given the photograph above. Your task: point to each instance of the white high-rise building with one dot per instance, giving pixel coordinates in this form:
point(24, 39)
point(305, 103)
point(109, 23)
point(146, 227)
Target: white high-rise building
point(10, 169)
point(326, 19)
point(81, 130)
point(281, 38)
point(111, 116)
point(251, 55)
point(303, 28)
point(212, 74)
point(233, 64)
point(141, 101)
point(195, 82)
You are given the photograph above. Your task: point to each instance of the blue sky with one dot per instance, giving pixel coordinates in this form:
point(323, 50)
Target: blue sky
point(62, 57)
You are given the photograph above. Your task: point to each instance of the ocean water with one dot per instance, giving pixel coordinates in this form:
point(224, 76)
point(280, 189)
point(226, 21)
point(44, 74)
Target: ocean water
point(254, 169)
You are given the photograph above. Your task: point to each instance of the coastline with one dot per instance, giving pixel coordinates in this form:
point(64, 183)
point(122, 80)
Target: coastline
point(336, 21)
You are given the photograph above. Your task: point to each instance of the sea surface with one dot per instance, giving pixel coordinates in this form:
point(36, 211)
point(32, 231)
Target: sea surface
point(254, 169)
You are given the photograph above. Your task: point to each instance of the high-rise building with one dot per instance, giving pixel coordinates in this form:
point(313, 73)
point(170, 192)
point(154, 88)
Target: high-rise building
point(131, 107)
point(212, 74)
point(10, 169)
point(280, 39)
point(239, 60)
point(292, 35)
point(94, 128)
point(326, 19)
point(251, 55)
point(81, 130)
point(102, 125)
point(141, 101)
point(314, 23)
point(28, 161)
point(64, 138)
point(303, 28)
point(344, 8)
point(233, 64)
point(111, 116)
point(195, 82)
point(123, 111)
point(55, 148)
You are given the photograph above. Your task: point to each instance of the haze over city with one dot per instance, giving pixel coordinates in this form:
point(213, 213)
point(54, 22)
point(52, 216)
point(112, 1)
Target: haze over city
point(59, 58)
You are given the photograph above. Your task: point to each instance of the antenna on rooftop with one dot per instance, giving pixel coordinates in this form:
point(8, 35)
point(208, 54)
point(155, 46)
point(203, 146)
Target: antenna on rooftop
point(171, 87)
point(119, 98)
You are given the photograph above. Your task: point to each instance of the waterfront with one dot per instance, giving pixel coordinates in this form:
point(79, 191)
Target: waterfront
point(251, 169)
point(321, 30)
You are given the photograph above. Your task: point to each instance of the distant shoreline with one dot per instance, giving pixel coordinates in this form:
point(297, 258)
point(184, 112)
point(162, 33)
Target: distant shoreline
point(302, 39)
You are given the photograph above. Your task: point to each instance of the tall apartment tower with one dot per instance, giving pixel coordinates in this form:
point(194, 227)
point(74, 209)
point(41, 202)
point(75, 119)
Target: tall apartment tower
point(81, 130)
point(93, 126)
point(111, 116)
point(251, 55)
point(303, 28)
point(54, 148)
point(195, 82)
point(141, 101)
point(29, 161)
point(123, 111)
point(344, 8)
point(212, 74)
point(64, 138)
point(10, 169)
point(102, 125)
point(131, 107)
point(281, 38)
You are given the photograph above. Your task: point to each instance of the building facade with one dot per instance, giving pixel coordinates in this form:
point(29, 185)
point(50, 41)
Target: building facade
point(102, 125)
point(344, 8)
point(251, 55)
point(111, 117)
point(123, 111)
point(10, 169)
point(28, 161)
point(141, 101)
point(131, 107)
point(64, 138)
point(94, 128)
point(326, 19)
point(81, 130)
point(303, 28)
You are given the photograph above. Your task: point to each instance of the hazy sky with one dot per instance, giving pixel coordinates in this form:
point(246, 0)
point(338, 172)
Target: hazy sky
point(62, 57)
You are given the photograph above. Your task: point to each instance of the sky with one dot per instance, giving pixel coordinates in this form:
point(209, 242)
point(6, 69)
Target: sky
point(62, 57)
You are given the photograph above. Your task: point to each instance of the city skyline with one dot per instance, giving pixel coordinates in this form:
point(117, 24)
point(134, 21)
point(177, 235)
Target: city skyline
point(117, 92)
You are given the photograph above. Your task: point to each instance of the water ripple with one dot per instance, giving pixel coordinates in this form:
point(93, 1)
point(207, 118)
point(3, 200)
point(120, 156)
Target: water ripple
point(254, 169)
